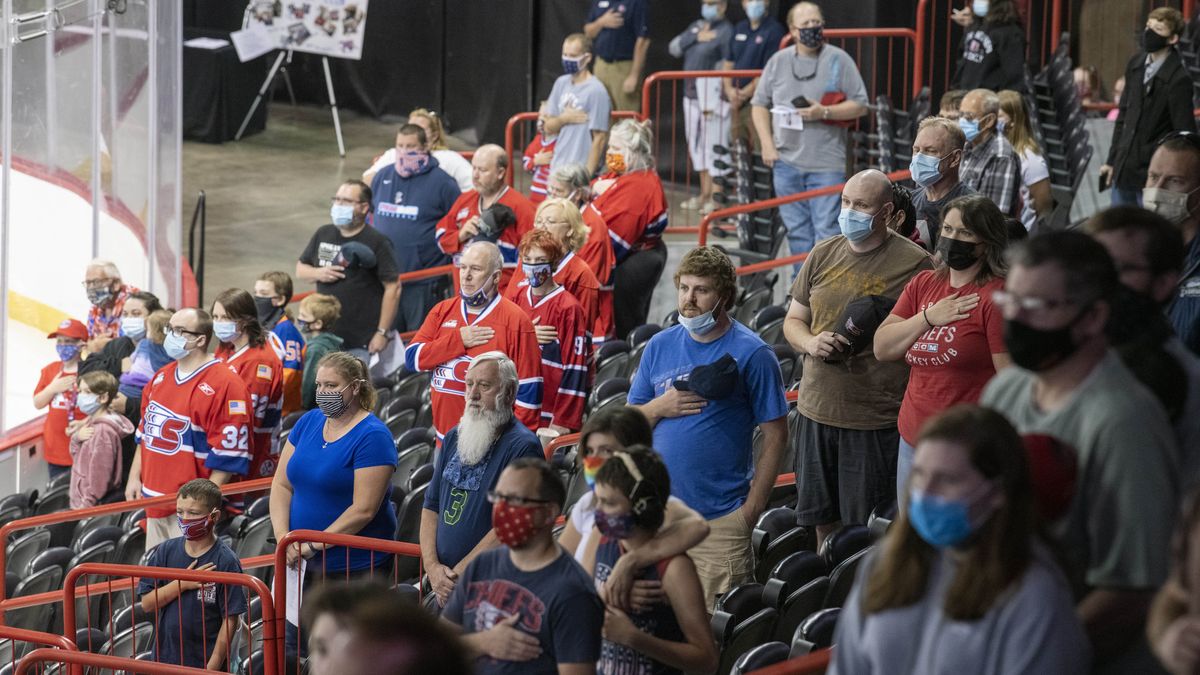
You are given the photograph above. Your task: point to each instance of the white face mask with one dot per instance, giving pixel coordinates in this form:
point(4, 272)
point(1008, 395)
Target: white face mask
point(1167, 203)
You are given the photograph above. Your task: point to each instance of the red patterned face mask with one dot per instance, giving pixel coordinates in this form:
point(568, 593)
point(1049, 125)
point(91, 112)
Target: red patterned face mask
point(514, 525)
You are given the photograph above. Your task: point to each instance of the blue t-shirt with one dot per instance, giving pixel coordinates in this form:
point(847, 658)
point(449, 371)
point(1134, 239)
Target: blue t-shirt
point(322, 478)
point(557, 603)
point(616, 44)
point(710, 454)
point(749, 49)
point(407, 211)
point(659, 620)
point(458, 493)
point(210, 604)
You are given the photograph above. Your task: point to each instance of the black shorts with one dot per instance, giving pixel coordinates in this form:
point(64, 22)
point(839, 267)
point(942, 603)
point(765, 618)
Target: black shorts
point(842, 474)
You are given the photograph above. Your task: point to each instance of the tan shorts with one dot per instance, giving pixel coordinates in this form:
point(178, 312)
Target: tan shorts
point(612, 75)
point(743, 126)
point(159, 530)
point(723, 560)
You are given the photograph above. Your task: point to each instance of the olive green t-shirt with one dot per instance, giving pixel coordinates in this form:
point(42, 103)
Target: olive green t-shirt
point(860, 392)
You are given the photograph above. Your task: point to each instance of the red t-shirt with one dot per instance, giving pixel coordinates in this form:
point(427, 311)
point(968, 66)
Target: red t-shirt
point(949, 364)
point(56, 446)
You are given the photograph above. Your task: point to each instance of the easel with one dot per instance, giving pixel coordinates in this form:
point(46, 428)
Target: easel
point(266, 86)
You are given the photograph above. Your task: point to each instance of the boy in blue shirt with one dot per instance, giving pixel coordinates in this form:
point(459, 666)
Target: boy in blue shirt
point(196, 621)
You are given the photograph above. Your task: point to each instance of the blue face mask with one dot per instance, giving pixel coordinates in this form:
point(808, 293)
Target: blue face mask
point(477, 299)
point(342, 214)
point(941, 522)
point(980, 8)
point(699, 325)
point(175, 346)
point(133, 327)
point(67, 352)
point(708, 12)
point(537, 273)
point(925, 169)
point(226, 331)
point(755, 11)
point(970, 128)
point(87, 403)
point(572, 65)
point(856, 225)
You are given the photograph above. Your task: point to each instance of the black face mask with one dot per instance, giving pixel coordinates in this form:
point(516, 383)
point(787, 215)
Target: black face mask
point(1152, 41)
point(268, 314)
point(1036, 349)
point(956, 253)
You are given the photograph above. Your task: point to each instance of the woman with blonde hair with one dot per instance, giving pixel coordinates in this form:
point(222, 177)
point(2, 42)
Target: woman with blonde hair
point(1035, 175)
point(449, 160)
point(573, 183)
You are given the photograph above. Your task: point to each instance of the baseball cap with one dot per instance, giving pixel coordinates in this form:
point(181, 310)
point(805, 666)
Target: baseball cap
point(70, 328)
point(859, 322)
point(712, 381)
point(356, 254)
point(495, 219)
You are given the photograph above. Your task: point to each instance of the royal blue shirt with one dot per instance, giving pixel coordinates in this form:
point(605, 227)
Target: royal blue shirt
point(407, 211)
point(1184, 309)
point(557, 604)
point(458, 493)
point(659, 620)
point(616, 44)
point(710, 454)
point(749, 48)
point(198, 613)
point(322, 478)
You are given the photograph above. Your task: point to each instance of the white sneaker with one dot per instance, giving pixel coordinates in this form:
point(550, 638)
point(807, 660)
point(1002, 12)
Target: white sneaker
point(691, 204)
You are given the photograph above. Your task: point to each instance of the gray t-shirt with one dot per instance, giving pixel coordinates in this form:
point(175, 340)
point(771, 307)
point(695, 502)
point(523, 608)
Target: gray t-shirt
point(929, 214)
point(1032, 629)
point(787, 75)
point(1117, 530)
point(575, 140)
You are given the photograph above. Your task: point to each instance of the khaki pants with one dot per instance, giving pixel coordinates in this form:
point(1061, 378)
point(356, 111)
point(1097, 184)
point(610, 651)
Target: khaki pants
point(159, 530)
point(743, 127)
point(723, 560)
point(612, 75)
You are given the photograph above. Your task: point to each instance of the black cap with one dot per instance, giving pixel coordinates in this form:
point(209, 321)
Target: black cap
point(859, 323)
point(357, 254)
point(713, 381)
point(495, 219)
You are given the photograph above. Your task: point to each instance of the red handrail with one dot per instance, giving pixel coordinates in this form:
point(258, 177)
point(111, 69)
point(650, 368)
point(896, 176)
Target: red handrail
point(61, 642)
point(23, 433)
point(114, 663)
point(177, 574)
point(510, 135)
point(915, 35)
point(668, 75)
point(565, 439)
point(919, 47)
point(809, 664)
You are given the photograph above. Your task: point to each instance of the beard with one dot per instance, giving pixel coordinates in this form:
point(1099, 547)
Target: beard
point(477, 431)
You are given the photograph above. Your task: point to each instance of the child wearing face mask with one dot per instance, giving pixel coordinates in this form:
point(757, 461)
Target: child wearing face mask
point(197, 631)
point(96, 470)
point(537, 157)
point(317, 316)
point(56, 390)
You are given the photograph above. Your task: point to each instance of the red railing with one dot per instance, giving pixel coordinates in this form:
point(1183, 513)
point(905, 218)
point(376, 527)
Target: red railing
point(851, 41)
point(517, 135)
point(28, 664)
point(62, 643)
point(134, 572)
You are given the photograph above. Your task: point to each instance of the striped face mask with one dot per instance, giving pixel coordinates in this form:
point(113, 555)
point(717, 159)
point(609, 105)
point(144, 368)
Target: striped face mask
point(591, 467)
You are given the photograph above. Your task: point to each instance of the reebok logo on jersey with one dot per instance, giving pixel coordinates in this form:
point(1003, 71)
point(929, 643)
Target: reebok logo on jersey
point(163, 430)
point(452, 323)
point(263, 372)
point(237, 407)
point(462, 213)
point(204, 387)
point(158, 379)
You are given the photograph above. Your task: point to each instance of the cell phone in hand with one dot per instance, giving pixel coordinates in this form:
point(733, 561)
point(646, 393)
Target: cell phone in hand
point(1105, 182)
point(801, 102)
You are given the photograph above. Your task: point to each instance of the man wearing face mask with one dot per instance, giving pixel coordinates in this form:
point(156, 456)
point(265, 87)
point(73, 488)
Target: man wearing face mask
point(704, 385)
point(479, 320)
point(527, 607)
point(990, 165)
point(1157, 100)
point(936, 158)
point(1173, 192)
point(849, 402)
point(993, 47)
point(409, 198)
point(578, 109)
point(354, 263)
point(1069, 384)
point(751, 43)
point(106, 293)
point(797, 123)
point(455, 518)
point(196, 423)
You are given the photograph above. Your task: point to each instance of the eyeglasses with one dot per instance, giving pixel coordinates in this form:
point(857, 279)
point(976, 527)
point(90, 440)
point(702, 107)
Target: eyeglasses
point(1006, 300)
point(546, 222)
point(96, 283)
point(494, 497)
point(342, 201)
point(180, 332)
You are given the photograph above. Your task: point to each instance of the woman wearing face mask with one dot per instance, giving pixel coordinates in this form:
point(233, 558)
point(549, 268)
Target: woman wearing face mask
point(605, 433)
point(961, 583)
point(945, 324)
point(1013, 122)
point(562, 221)
point(631, 200)
point(631, 491)
point(335, 473)
point(993, 46)
point(589, 237)
point(562, 329)
point(245, 349)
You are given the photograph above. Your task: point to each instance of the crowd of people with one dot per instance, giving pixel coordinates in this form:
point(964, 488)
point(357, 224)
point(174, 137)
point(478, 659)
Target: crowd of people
point(946, 334)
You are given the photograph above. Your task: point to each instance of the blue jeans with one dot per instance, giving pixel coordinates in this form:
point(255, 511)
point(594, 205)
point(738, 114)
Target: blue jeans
point(904, 462)
point(812, 220)
point(1123, 197)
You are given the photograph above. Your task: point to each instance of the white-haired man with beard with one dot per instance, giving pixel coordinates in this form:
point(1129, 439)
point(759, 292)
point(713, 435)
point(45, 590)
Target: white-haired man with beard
point(456, 523)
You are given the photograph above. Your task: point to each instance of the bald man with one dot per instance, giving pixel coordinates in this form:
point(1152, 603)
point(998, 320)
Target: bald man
point(990, 166)
point(848, 400)
point(466, 223)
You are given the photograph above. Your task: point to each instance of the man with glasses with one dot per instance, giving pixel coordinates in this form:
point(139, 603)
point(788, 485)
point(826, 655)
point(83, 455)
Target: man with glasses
point(456, 524)
point(937, 155)
point(528, 607)
point(195, 423)
point(990, 166)
point(410, 196)
point(800, 128)
point(1173, 192)
point(354, 263)
point(1069, 384)
point(107, 294)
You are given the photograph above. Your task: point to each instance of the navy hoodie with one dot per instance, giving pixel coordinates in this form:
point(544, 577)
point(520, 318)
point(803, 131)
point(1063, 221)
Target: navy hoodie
point(407, 211)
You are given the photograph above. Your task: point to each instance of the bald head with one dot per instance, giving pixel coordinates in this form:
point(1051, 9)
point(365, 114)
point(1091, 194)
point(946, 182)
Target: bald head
point(867, 192)
point(985, 100)
point(870, 184)
point(488, 168)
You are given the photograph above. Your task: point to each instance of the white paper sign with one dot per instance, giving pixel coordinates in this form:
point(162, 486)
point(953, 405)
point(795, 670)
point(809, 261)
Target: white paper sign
point(788, 118)
point(206, 43)
point(253, 42)
point(332, 28)
point(294, 578)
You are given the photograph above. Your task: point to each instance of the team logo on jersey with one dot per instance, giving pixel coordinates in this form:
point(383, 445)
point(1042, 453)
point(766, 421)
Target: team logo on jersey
point(163, 430)
point(451, 376)
point(237, 407)
point(204, 387)
point(263, 372)
point(399, 198)
point(463, 213)
point(158, 379)
point(452, 323)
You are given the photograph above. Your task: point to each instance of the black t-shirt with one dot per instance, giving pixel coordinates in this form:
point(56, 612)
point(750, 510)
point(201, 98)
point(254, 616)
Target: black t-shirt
point(929, 214)
point(362, 290)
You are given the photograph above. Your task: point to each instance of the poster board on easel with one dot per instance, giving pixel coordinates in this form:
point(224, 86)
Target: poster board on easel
point(332, 28)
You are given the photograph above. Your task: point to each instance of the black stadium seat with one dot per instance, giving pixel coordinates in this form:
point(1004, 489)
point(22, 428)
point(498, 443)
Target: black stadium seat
point(843, 543)
point(767, 654)
point(815, 632)
point(841, 579)
point(611, 359)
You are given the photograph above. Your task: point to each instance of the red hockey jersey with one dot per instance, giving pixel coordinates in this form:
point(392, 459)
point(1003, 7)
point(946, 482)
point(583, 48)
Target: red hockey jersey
point(438, 348)
point(574, 275)
point(540, 175)
point(597, 252)
point(192, 426)
point(260, 369)
point(566, 362)
point(635, 210)
point(466, 207)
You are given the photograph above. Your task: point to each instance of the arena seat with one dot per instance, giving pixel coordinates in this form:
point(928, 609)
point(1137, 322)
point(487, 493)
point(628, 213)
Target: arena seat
point(130, 547)
point(843, 543)
point(131, 642)
point(766, 654)
point(794, 571)
point(61, 480)
point(408, 521)
point(671, 319)
point(815, 632)
point(639, 337)
point(789, 361)
point(841, 579)
point(92, 610)
point(128, 616)
point(56, 498)
point(87, 538)
point(36, 617)
point(801, 603)
point(768, 324)
point(611, 360)
point(412, 384)
point(736, 637)
point(20, 500)
point(90, 639)
point(130, 518)
point(881, 519)
point(252, 537)
point(56, 556)
point(21, 552)
point(418, 452)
